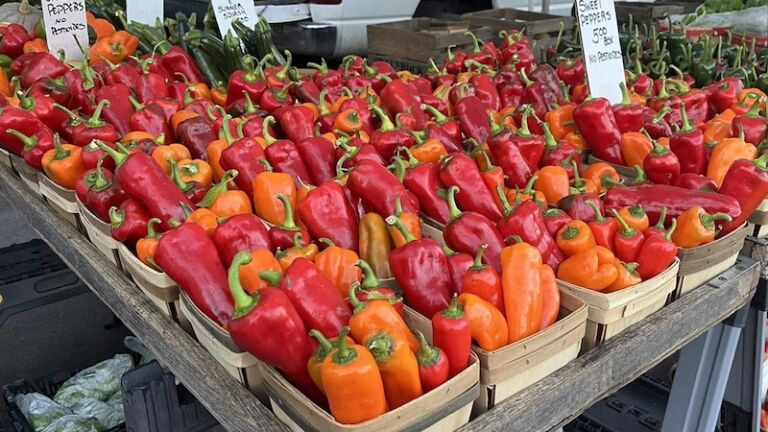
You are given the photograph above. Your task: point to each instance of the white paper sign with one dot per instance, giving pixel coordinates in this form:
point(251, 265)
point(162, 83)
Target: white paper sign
point(144, 11)
point(228, 11)
point(65, 21)
point(602, 51)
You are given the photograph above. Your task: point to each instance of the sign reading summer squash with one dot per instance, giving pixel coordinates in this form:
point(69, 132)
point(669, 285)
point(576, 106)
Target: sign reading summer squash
point(229, 11)
point(600, 44)
point(65, 26)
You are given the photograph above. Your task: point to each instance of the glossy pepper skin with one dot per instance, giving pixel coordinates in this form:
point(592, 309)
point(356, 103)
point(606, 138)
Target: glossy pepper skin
point(696, 227)
point(318, 156)
point(574, 237)
point(101, 192)
point(487, 324)
point(483, 281)
point(178, 61)
point(247, 157)
point(554, 219)
point(627, 241)
point(459, 170)
point(471, 112)
point(751, 124)
point(458, 264)
point(128, 222)
point(388, 138)
point(597, 124)
point(468, 230)
point(189, 257)
point(379, 188)
point(141, 178)
point(375, 314)
point(397, 364)
point(398, 96)
point(282, 235)
point(629, 116)
point(286, 345)
point(657, 253)
point(592, 269)
point(35, 146)
point(688, 145)
point(652, 198)
point(603, 228)
point(327, 213)
point(550, 297)
point(196, 134)
point(423, 180)
point(375, 244)
point(661, 165)
point(747, 181)
point(62, 164)
point(451, 333)
point(433, 365)
point(421, 269)
point(526, 220)
point(239, 233)
point(296, 122)
point(578, 208)
point(284, 156)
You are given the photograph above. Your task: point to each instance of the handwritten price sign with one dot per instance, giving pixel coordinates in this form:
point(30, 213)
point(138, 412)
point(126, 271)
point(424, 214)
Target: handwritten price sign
point(65, 26)
point(600, 44)
point(228, 11)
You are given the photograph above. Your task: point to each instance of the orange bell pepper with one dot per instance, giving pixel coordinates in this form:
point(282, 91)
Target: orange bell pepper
point(726, 152)
point(62, 163)
point(348, 121)
point(36, 45)
point(487, 324)
point(338, 265)
point(521, 282)
point(298, 250)
point(603, 174)
point(696, 227)
point(553, 182)
point(635, 217)
point(574, 237)
point(219, 95)
point(592, 269)
point(261, 260)
point(717, 131)
point(635, 146)
point(412, 221)
point(204, 218)
point(374, 315)
point(429, 150)
point(137, 136)
point(560, 121)
point(324, 347)
point(267, 186)
point(352, 383)
point(223, 202)
point(397, 364)
point(196, 171)
point(177, 152)
point(627, 277)
point(576, 140)
point(101, 27)
point(114, 48)
point(217, 147)
point(529, 193)
point(146, 247)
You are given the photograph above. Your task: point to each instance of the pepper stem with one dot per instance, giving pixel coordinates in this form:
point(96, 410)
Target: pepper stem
point(437, 115)
point(243, 302)
point(29, 141)
point(523, 130)
point(343, 353)
point(61, 153)
point(386, 122)
point(95, 120)
point(353, 300)
point(626, 230)
point(598, 214)
point(117, 156)
point(427, 354)
point(662, 219)
point(225, 131)
point(325, 345)
point(477, 264)
point(116, 217)
point(507, 207)
point(516, 239)
point(397, 223)
point(670, 231)
point(370, 280)
point(289, 223)
point(271, 277)
point(176, 176)
point(151, 232)
point(529, 186)
point(138, 106)
point(687, 126)
point(708, 220)
point(551, 143)
point(625, 100)
point(217, 189)
point(452, 207)
point(475, 42)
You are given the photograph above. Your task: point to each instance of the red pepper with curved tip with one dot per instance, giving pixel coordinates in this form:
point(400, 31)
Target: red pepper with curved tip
point(754, 126)
point(284, 156)
point(527, 222)
point(143, 179)
point(149, 118)
point(35, 146)
point(177, 61)
point(196, 134)
point(661, 165)
point(285, 345)
point(421, 270)
point(243, 232)
point(598, 126)
point(387, 139)
point(423, 180)
point(129, 222)
point(327, 213)
point(316, 298)
point(247, 157)
point(531, 146)
point(451, 332)
point(554, 219)
point(483, 281)
point(657, 253)
point(627, 241)
point(472, 113)
point(688, 146)
point(511, 160)
point(282, 236)
point(458, 264)
point(747, 182)
point(379, 189)
point(577, 207)
point(444, 129)
point(434, 368)
point(468, 230)
point(460, 170)
point(629, 116)
point(319, 157)
point(120, 110)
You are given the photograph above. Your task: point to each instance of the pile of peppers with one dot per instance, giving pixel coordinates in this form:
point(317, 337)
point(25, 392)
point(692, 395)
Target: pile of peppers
point(293, 203)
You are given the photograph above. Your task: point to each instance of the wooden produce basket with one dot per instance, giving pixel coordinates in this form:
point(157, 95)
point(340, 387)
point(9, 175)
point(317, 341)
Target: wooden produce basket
point(5, 159)
point(444, 409)
point(409, 44)
point(433, 229)
point(99, 233)
point(540, 27)
point(758, 221)
point(156, 285)
point(609, 314)
point(28, 175)
point(702, 263)
point(510, 369)
point(62, 200)
point(246, 368)
point(647, 13)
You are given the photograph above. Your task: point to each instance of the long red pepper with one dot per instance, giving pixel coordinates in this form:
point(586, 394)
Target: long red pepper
point(241, 233)
point(468, 230)
point(657, 253)
point(284, 156)
point(747, 181)
point(451, 333)
point(598, 126)
point(461, 171)
point(189, 257)
point(688, 145)
point(379, 189)
point(327, 213)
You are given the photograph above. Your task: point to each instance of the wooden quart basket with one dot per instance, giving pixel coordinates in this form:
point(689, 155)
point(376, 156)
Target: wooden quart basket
point(609, 314)
point(758, 221)
point(27, 174)
point(5, 159)
point(444, 409)
point(62, 200)
point(702, 263)
point(246, 368)
point(99, 233)
point(433, 229)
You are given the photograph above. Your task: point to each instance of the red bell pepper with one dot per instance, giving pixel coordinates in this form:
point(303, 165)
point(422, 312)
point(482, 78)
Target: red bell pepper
point(196, 134)
point(40, 66)
point(627, 241)
point(531, 146)
point(421, 270)
point(327, 213)
point(536, 93)
point(487, 54)
point(451, 333)
point(629, 116)
point(119, 110)
point(444, 129)
point(688, 145)
point(388, 138)
point(696, 182)
point(468, 230)
point(284, 156)
point(285, 345)
point(603, 228)
point(747, 182)
point(99, 193)
point(559, 153)
point(656, 125)
point(272, 100)
point(473, 116)
point(296, 122)
point(598, 126)
point(754, 127)
point(577, 206)
point(725, 93)
point(129, 222)
point(94, 128)
point(527, 222)
point(657, 253)
point(243, 232)
point(19, 120)
point(316, 298)
point(14, 36)
point(35, 146)
point(177, 61)
point(379, 189)
point(247, 157)
point(149, 118)
point(318, 156)
point(554, 219)
point(458, 264)
point(661, 165)
point(55, 88)
point(461, 171)
point(250, 80)
point(571, 71)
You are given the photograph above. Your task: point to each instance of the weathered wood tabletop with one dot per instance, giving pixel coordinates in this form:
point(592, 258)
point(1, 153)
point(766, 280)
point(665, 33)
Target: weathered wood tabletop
point(544, 406)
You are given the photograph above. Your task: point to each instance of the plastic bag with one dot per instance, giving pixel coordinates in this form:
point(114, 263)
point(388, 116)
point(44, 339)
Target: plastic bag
point(99, 381)
point(106, 415)
point(74, 423)
point(40, 410)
